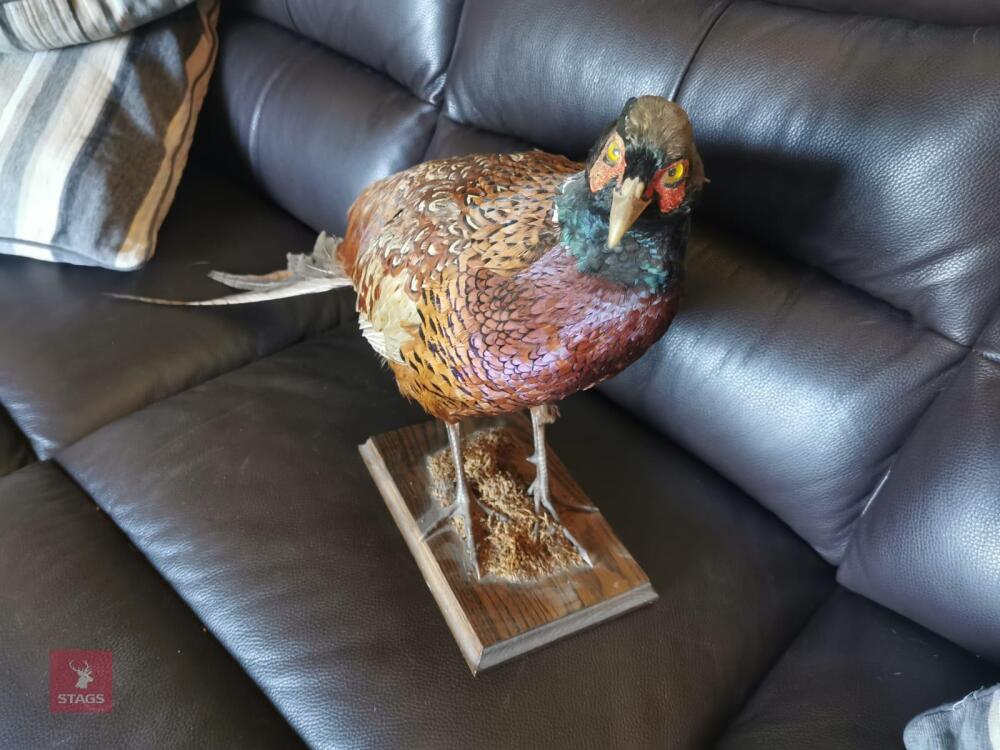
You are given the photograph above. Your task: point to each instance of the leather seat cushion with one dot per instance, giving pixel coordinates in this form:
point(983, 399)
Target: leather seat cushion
point(71, 580)
point(248, 495)
point(853, 679)
point(73, 359)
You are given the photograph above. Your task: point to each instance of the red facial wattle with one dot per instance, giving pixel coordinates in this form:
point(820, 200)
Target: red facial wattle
point(611, 166)
point(669, 192)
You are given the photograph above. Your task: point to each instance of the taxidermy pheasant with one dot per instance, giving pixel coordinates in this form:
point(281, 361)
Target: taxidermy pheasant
point(496, 283)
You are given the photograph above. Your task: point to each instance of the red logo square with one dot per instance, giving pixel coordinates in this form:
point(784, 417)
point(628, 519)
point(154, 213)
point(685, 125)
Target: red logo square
point(80, 682)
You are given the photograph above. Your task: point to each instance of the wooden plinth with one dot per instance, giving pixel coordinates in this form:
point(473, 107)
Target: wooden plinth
point(494, 621)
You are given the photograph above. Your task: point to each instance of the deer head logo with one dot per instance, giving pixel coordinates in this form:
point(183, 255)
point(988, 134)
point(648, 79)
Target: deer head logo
point(84, 674)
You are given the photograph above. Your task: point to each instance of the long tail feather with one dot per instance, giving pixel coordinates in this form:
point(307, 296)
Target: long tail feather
point(280, 291)
point(320, 271)
point(249, 282)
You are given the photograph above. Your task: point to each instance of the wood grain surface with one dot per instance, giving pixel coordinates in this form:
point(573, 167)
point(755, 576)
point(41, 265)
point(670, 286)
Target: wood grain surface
point(494, 620)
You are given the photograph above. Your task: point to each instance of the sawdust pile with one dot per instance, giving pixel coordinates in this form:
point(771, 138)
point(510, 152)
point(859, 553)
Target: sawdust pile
point(516, 544)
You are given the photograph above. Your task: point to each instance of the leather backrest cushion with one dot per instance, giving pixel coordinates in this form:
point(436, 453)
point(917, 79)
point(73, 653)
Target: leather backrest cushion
point(927, 545)
point(555, 72)
point(934, 11)
point(864, 146)
point(312, 127)
point(455, 139)
point(795, 386)
point(408, 40)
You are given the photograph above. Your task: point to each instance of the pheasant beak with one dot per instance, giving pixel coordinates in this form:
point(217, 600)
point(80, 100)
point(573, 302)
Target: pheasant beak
point(626, 205)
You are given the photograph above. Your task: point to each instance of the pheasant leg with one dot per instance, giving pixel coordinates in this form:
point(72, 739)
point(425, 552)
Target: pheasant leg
point(541, 416)
point(460, 507)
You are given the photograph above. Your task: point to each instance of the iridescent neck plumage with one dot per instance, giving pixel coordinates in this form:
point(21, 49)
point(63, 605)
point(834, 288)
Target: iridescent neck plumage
point(650, 255)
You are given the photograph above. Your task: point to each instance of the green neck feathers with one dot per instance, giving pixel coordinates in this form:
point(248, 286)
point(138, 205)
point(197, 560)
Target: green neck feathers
point(650, 255)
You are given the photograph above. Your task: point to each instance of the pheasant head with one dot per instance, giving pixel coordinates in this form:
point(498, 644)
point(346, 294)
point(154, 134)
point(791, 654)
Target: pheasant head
point(641, 179)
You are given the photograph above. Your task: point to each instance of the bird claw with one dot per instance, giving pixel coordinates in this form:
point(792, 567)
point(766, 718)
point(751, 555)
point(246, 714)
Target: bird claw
point(542, 500)
point(580, 550)
point(438, 519)
point(584, 555)
point(541, 496)
point(579, 508)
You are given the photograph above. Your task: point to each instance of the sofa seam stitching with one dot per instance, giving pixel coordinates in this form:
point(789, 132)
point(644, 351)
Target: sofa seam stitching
point(806, 622)
point(903, 442)
point(265, 92)
point(971, 350)
point(675, 94)
point(291, 17)
point(870, 16)
point(445, 73)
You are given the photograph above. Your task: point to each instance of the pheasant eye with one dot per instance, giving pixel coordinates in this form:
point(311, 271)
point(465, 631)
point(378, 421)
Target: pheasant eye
point(674, 173)
point(613, 153)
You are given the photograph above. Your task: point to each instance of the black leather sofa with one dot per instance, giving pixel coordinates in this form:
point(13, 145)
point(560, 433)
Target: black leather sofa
point(807, 466)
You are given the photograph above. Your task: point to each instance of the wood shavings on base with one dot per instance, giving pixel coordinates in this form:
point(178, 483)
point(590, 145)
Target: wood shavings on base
point(528, 546)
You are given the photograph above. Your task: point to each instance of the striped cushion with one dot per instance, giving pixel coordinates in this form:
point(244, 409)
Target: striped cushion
point(972, 723)
point(93, 139)
point(50, 24)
